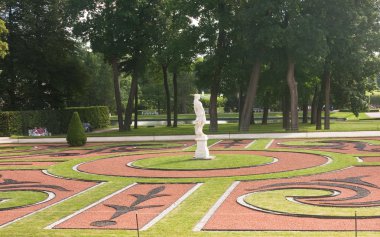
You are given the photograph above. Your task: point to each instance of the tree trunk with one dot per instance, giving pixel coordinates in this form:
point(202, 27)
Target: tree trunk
point(318, 122)
point(305, 111)
point(136, 107)
point(213, 110)
point(319, 105)
point(131, 98)
point(116, 85)
point(252, 122)
point(241, 101)
point(158, 105)
point(327, 81)
point(285, 110)
point(214, 91)
point(167, 95)
point(314, 105)
point(265, 116)
point(220, 56)
point(250, 97)
point(11, 87)
point(175, 98)
point(293, 96)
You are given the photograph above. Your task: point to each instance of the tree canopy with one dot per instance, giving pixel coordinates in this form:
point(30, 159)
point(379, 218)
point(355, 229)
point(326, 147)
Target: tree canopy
point(3, 43)
point(285, 55)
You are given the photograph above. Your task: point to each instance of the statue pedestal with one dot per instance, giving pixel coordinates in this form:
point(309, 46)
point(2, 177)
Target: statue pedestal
point(202, 151)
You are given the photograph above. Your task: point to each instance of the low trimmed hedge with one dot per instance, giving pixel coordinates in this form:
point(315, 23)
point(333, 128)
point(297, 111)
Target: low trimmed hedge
point(10, 123)
point(56, 121)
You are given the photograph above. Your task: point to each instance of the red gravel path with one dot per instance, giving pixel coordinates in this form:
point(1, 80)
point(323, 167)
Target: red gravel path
point(27, 163)
point(231, 144)
point(232, 216)
point(171, 194)
point(348, 148)
point(370, 159)
point(72, 186)
point(286, 161)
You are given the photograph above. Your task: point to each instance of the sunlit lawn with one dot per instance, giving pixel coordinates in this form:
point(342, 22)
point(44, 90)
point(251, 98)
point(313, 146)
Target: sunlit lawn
point(354, 125)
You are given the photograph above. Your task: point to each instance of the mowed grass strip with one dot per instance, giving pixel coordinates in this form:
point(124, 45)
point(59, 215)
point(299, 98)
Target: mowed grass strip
point(186, 162)
point(11, 199)
point(327, 142)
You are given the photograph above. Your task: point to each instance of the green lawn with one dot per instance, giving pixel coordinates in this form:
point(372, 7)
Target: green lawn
point(222, 116)
point(348, 115)
point(20, 198)
point(232, 128)
point(189, 163)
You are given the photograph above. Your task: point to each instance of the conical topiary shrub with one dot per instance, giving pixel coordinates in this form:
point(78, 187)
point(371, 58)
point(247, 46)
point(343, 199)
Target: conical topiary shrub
point(75, 133)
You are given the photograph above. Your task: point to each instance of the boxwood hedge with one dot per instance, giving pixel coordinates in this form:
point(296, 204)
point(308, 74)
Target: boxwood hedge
point(56, 121)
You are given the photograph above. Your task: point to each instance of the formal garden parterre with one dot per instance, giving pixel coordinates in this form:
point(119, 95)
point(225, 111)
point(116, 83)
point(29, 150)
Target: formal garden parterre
point(280, 187)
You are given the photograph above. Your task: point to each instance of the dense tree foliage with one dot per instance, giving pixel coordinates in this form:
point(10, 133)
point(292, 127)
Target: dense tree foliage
point(122, 31)
point(288, 55)
point(98, 89)
point(42, 69)
point(3, 43)
point(173, 48)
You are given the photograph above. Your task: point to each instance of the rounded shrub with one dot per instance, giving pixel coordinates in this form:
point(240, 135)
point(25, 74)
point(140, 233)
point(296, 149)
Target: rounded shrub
point(75, 133)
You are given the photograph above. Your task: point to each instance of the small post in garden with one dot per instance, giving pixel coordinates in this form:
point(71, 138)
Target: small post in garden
point(137, 226)
point(356, 224)
point(202, 151)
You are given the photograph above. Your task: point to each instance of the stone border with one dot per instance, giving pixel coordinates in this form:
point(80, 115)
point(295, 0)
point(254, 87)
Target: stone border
point(172, 207)
point(250, 144)
point(269, 144)
point(215, 207)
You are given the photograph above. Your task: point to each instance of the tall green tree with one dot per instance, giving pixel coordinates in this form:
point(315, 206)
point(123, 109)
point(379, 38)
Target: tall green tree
point(141, 29)
point(98, 89)
point(259, 21)
point(3, 43)
point(122, 31)
point(102, 24)
point(353, 39)
point(215, 21)
point(42, 69)
point(174, 47)
point(304, 40)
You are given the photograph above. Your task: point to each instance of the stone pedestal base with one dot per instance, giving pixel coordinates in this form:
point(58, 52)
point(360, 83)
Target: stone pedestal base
point(202, 151)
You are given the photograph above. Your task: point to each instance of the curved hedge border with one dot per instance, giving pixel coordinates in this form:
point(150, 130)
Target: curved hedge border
point(56, 121)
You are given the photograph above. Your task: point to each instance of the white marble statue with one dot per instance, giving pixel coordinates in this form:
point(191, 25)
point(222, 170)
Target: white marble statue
point(202, 151)
point(200, 120)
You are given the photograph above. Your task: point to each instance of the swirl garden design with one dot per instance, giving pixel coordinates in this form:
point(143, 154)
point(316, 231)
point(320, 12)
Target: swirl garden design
point(279, 187)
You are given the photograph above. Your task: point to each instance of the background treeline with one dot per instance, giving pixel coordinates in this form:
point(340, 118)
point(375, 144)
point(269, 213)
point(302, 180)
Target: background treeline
point(144, 54)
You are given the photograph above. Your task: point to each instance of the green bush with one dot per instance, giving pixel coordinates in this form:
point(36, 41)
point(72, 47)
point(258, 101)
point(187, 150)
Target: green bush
point(221, 101)
point(375, 100)
point(75, 133)
point(56, 121)
point(97, 116)
point(10, 123)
